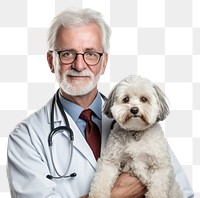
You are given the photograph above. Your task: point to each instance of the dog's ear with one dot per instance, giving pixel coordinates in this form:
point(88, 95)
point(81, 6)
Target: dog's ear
point(109, 103)
point(162, 102)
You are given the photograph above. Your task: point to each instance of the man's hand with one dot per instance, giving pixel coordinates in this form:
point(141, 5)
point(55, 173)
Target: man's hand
point(128, 186)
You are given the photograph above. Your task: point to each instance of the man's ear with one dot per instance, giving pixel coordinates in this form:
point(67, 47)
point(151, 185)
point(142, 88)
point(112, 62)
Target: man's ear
point(50, 61)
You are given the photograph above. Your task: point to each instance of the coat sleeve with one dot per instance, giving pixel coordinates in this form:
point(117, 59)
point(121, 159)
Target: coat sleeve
point(181, 177)
point(26, 168)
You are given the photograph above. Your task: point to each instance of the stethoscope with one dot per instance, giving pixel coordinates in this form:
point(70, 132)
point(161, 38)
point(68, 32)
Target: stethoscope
point(57, 130)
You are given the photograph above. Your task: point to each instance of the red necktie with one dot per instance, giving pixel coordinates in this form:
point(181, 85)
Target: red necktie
point(92, 132)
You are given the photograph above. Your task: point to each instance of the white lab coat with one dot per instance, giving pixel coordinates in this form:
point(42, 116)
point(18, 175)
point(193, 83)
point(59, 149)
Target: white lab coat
point(29, 159)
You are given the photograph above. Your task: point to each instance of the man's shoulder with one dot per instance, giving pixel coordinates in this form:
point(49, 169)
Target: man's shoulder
point(41, 113)
point(37, 119)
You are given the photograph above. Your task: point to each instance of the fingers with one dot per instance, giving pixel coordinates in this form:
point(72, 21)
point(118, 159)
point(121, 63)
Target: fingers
point(128, 186)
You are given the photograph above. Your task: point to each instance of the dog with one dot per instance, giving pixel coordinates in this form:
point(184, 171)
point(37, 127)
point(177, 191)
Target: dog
point(136, 143)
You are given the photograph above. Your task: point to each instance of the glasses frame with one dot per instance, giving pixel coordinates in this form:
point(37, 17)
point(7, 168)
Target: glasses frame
point(78, 53)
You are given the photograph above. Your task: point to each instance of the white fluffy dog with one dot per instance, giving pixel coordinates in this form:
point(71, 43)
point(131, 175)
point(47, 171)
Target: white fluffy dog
point(136, 144)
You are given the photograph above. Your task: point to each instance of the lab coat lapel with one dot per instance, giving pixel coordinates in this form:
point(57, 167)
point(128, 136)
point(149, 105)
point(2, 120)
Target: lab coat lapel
point(79, 141)
point(57, 114)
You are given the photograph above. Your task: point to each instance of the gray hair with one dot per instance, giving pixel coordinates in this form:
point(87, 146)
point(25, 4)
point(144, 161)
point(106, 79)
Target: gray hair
point(76, 18)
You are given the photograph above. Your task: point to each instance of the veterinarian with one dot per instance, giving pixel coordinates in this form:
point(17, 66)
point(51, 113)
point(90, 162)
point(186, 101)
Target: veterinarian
point(50, 153)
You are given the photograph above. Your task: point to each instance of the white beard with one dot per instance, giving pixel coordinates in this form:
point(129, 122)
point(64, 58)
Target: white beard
point(76, 88)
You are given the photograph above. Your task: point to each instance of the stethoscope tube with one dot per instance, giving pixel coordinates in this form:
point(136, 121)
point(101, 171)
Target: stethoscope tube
point(55, 131)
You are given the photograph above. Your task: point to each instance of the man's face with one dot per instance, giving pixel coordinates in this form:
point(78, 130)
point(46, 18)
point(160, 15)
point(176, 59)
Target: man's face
point(78, 78)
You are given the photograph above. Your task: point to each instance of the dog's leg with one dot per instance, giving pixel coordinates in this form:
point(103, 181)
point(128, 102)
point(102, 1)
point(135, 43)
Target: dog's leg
point(104, 180)
point(160, 183)
point(140, 170)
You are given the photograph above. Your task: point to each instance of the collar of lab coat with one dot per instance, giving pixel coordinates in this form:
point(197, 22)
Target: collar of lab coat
point(79, 141)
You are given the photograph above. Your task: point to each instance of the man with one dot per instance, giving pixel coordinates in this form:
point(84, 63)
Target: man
point(78, 44)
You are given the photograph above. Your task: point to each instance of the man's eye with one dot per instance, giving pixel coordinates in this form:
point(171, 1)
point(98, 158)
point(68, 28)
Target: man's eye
point(90, 54)
point(67, 54)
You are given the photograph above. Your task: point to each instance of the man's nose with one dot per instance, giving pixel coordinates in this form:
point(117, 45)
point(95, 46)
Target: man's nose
point(79, 64)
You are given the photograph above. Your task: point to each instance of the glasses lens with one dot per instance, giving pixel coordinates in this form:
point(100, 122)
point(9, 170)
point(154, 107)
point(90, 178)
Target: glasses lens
point(67, 57)
point(91, 58)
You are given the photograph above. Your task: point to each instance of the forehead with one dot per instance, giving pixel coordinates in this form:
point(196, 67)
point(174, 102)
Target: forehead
point(87, 36)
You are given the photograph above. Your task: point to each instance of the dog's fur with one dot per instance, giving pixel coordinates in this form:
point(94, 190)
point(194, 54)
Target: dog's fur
point(136, 144)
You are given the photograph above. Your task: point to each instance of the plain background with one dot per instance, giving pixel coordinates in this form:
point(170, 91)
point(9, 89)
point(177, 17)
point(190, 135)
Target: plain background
point(158, 39)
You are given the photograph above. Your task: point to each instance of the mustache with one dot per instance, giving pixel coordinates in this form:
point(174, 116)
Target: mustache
point(84, 73)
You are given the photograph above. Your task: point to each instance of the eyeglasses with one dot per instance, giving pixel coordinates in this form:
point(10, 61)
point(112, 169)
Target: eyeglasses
point(91, 58)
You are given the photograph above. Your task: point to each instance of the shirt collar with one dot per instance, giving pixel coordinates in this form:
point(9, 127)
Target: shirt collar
point(75, 110)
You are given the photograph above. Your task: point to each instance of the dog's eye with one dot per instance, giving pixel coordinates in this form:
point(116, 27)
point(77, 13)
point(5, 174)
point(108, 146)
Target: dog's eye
point(126, 99)
point(143, 99)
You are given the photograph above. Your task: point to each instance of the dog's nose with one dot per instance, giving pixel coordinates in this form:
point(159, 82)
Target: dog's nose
point(134, 110)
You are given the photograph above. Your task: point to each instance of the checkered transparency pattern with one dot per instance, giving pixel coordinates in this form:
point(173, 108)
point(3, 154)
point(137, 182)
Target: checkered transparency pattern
point(158, 39)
